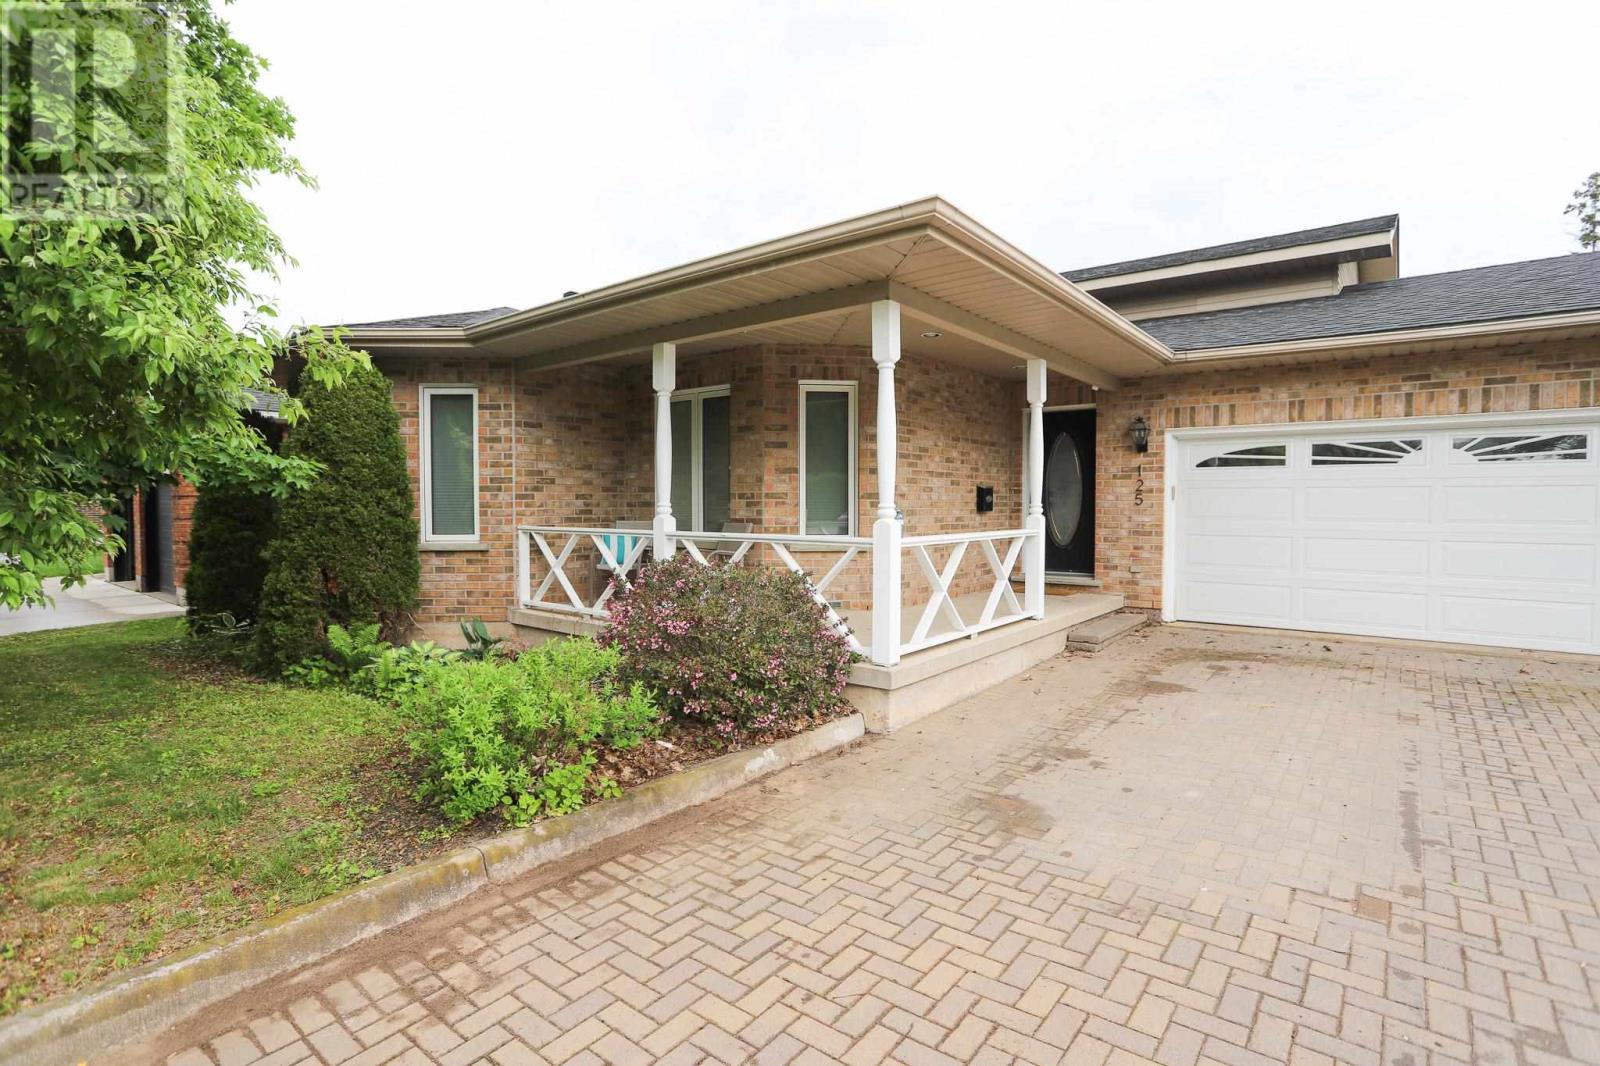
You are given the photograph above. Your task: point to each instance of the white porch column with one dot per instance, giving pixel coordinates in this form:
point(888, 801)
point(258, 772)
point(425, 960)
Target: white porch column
point(1033, 558)
point(663, 375)
point(886, 530)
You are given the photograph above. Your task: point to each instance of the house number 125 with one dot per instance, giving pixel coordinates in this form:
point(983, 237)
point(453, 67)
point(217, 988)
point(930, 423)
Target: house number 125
point(1138, 485)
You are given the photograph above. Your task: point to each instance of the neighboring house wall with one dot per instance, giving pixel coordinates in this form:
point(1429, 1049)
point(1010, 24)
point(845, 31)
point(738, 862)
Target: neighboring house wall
point(1534, 377)
point(181, 501)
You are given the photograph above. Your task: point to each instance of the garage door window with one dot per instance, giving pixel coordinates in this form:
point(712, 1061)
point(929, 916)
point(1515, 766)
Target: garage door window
point(1259, 455)
point(1519, 447)
point(1365, 452)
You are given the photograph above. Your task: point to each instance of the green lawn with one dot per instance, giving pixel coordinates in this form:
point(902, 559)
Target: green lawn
point(147, 802)
point(93, 563)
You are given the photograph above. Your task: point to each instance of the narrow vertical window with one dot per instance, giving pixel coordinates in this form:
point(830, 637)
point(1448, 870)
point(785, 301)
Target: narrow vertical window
point(701, 458)
point(828, 458)
point(449, 448)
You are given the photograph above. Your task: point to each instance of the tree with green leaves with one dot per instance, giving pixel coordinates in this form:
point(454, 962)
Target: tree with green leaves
point(133, 134)
point(1585, 206)
point(346, 546)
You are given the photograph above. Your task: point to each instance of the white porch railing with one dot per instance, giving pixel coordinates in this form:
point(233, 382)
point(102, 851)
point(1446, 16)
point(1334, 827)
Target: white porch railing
point(571, 561)
point(620, 550)
point(1002, 551)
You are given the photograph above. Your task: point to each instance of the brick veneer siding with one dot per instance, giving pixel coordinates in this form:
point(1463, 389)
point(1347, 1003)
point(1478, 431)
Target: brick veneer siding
point(465, 583)
point(1531, 377)
point(574, 446)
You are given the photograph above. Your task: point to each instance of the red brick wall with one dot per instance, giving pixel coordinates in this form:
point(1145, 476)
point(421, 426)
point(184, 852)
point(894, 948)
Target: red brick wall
point(182, 501)
point(574, 446)
point(1537, 377)
point(466, 583)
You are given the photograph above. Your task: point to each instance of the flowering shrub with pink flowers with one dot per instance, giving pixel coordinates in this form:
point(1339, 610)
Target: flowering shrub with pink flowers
point(743, 648)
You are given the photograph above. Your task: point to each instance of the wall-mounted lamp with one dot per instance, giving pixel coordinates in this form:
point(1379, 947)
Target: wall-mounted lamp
point(1139, 434)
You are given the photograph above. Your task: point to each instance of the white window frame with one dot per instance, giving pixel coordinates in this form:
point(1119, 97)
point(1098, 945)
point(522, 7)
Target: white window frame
point(849, 388)
point(697, 442)
point(426, 393)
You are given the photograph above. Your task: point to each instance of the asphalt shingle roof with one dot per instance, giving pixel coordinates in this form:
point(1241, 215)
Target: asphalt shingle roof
point(1359, 228)
point(1481, 294)
point(266, 404)
point(451, 320)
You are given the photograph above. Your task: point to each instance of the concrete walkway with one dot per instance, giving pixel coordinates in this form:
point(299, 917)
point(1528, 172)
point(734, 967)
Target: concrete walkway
point(89, 604)
point(1195, 847)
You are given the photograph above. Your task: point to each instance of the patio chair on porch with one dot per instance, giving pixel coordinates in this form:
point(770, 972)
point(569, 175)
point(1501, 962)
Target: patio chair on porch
point(621, 545)
point(725, 549)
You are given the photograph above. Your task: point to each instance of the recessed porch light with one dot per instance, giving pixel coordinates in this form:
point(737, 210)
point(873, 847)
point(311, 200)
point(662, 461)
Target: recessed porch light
point(932, 334)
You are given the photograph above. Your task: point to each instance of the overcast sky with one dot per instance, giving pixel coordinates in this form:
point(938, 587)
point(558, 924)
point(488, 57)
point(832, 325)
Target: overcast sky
point(478, 153)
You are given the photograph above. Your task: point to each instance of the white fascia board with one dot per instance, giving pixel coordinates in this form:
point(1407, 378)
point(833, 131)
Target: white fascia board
point(1318, 250)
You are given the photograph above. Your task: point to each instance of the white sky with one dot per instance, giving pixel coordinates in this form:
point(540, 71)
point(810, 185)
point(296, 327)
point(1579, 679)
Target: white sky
point(477, 153)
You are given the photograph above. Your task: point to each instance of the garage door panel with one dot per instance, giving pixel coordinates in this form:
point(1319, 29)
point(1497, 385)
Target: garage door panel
point(1512, 621)
point(1372, 609)
point(1236, 600)
point(1520, 505)
point(1488, 561)
point(1240, 550)
point(1247, 502)
point(1441, 543)
point(1382, 504)
point(1366, 555)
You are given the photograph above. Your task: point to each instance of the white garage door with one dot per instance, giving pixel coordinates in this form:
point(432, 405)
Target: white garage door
point(1478, 532)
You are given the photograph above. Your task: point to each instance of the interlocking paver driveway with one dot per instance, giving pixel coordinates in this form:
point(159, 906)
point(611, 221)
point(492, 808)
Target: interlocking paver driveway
point(1197, 846)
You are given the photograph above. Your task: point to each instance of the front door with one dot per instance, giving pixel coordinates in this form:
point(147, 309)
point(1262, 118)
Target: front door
point(1069, 491)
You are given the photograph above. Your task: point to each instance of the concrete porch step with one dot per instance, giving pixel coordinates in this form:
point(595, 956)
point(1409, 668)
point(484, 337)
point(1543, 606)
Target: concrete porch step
point(926, 681)
point(1097, 633)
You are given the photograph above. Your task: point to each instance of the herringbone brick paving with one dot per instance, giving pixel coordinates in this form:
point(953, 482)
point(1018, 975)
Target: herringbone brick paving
point(1195, 847)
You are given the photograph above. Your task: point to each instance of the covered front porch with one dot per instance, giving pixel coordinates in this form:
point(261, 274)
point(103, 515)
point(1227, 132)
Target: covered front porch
point(863, 404)
point(809, 480)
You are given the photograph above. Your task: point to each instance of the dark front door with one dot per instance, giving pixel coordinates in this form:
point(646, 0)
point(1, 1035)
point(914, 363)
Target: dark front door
point(155, 520)
point(1069, 492)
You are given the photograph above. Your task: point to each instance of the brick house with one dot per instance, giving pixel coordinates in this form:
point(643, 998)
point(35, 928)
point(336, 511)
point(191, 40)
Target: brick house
point(941, 430)
point(156, 519)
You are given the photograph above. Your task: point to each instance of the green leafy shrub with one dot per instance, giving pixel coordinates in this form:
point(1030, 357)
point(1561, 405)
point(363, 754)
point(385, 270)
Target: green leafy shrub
point(221, 635)
point(740, 647)
point(231, 529)
point(516, 736)
point(480, 642)
point(397, 669)
point(348, 652)
point(358, 660)
point(346, 546)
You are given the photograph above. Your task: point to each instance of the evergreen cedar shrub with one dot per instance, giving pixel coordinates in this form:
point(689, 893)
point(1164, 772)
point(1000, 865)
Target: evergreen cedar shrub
point(231, 528)
point(742, 648)
point(346, 545)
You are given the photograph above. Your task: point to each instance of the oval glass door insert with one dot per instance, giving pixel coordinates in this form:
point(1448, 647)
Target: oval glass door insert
point(1063, 490)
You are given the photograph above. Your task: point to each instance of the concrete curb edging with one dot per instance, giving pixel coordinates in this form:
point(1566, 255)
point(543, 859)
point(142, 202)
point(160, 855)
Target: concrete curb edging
point(150, 998)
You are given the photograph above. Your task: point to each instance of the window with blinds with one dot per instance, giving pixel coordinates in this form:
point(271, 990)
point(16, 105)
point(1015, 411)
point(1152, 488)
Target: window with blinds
point(450, 471)
point(827, 458)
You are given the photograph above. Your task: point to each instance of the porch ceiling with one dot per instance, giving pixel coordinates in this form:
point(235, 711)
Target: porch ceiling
point(994, 305)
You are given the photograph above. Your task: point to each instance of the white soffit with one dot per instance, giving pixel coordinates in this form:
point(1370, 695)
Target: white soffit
point(944, 268)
